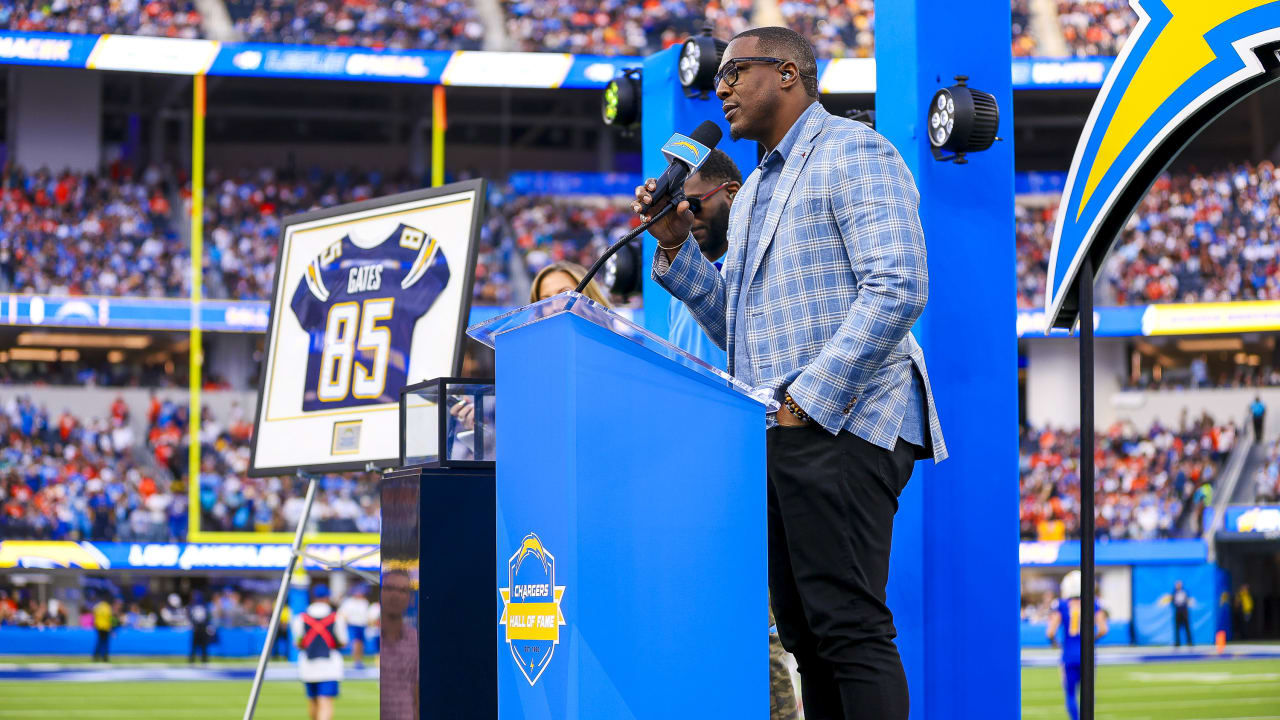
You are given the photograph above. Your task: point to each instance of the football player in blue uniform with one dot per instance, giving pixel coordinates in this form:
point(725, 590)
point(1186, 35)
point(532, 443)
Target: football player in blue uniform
point(1066, 615)
point(359, 305)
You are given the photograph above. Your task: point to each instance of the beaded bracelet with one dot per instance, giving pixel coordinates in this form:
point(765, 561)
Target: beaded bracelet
point(795, 409)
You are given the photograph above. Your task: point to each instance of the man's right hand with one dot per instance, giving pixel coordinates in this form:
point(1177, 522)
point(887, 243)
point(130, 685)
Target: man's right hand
point(673, 229)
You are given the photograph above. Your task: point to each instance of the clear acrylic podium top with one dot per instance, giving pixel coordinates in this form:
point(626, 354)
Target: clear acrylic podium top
point(587, 309)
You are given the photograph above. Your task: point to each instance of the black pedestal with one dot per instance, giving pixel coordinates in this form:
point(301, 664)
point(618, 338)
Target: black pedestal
point(438, 538)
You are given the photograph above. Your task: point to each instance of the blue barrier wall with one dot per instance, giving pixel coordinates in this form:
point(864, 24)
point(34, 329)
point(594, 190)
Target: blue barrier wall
point(1153, 620)
point(232, 642)
point(1033, 634)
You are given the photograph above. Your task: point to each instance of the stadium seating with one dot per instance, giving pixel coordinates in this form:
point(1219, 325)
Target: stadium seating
point(165, 18)
point(837, 28)
point(112, 233)
point(1146, 480)
point(404, 24)
point(1095, 27)
point(117, 234)
point(616, 27)
point(1196, 237)
point(1024, 42)
point(1267, 479)
point(67, 477)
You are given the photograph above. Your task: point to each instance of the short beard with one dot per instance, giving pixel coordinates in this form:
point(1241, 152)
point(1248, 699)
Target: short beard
point(717, 236)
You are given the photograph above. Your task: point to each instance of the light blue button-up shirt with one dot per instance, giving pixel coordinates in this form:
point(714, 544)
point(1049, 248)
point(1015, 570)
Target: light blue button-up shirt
point(685, 333)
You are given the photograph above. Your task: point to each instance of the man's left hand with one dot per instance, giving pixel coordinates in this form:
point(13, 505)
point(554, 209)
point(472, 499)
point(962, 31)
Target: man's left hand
point(788, 419)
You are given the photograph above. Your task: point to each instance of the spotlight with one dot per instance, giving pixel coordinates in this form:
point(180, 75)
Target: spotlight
point(621, 102)
point(962, 120)
point(621, 273)
point(699, 61)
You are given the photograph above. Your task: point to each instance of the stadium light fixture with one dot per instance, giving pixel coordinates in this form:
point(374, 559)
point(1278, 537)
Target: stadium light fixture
point(623, 271)
point(699, 60)
point(961, 120)
point(620, 104)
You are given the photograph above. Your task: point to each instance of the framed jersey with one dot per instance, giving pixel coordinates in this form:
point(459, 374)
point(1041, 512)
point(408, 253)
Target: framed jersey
point(369, 297)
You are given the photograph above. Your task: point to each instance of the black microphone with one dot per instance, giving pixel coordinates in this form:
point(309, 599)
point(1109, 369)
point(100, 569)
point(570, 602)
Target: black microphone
point(686, 154)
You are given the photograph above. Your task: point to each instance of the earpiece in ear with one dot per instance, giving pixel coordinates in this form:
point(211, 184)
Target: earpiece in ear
point(786, 76)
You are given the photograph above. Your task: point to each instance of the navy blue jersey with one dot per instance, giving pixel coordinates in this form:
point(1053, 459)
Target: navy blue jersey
point(1069, 614)
point(359, 306)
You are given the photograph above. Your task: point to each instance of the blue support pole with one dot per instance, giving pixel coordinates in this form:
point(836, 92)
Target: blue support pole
point(667, 111)
point(954, 583)
point(954, 580)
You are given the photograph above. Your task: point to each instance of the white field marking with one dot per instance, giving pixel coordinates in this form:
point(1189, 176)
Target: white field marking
point(1197, 702)
point(1128, 689)
point(1212, 678)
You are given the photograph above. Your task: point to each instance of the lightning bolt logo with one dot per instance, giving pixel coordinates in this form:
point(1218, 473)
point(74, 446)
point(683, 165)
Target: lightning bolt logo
point(1185, 63)
point(691, 147)
point(51, 554)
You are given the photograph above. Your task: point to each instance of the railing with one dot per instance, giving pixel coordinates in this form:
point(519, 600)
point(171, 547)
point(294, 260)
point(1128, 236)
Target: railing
point(1228, 480)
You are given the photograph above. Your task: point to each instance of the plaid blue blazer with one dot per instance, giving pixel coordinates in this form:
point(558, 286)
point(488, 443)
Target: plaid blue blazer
point(837, 279)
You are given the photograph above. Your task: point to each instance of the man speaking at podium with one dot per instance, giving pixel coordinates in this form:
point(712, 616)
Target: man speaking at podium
point(824, 277)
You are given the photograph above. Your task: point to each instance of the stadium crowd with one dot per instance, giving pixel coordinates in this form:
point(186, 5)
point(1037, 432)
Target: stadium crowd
point(1149, 484)
point(618, 27)
point(614, 27)
point(1267, 479)
point(1095, 27)
point(403, 24)
point(63, 477)
point(1024, 43)
point(110, 233)
point(837, 28)
point(117, 233)
point(164, 18)
point(1195, 237)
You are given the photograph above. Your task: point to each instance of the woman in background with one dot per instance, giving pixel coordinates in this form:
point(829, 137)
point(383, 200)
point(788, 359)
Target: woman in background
point(563, 277)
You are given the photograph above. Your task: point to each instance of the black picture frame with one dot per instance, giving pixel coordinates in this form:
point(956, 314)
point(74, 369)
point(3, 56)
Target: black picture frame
point(478, 186)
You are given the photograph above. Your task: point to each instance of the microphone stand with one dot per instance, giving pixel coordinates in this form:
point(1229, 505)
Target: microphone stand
point(614, 248)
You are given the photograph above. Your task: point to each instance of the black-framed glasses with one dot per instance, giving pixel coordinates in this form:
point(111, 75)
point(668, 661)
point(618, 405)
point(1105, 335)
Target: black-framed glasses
point(728, 73)
point(695, 203)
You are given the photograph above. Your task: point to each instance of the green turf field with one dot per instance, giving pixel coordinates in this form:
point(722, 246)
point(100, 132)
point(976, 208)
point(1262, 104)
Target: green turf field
point(1222, 690)
point(1219, 690)
point(175, 700)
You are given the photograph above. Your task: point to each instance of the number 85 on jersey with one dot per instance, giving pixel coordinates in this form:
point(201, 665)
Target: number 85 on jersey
point(359, 307)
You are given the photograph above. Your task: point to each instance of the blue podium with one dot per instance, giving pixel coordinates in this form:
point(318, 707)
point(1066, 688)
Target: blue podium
point(631, 574)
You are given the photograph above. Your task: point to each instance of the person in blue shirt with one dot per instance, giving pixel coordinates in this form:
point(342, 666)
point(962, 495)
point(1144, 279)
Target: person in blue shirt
point(1259, 413)
point(714, 186)
point(1066, 615)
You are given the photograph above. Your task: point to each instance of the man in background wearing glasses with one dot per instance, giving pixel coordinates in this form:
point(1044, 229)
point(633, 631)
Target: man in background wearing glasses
point(824, 277)
point(713, 186)
point(711, 190)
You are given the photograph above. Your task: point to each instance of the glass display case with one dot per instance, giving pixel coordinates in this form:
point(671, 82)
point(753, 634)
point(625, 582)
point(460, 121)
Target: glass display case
point(448, 422)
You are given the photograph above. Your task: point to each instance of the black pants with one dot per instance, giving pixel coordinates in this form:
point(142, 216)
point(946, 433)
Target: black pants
point(199, 643)
point(1181, 621)
point(1258, 422)
point(102, 648)
point(281, 647)
point(831, 505)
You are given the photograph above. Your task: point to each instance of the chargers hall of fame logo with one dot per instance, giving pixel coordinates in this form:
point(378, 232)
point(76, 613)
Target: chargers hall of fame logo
point(531, 607)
